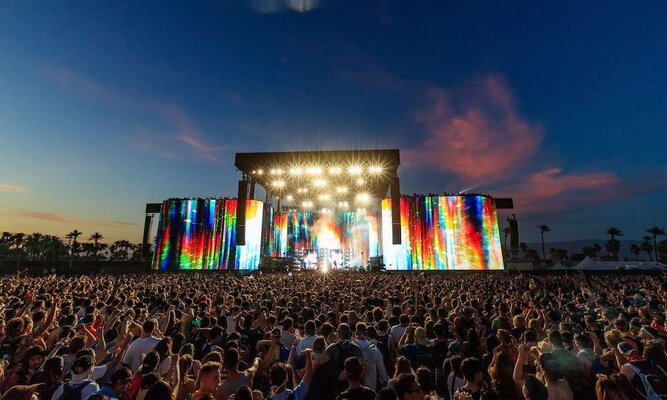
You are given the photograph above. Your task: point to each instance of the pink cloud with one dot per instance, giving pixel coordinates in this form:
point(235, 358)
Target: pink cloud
point(51, 217)
point(551, 191)
point(475, 133)
point(6, 187)
point(184, 131)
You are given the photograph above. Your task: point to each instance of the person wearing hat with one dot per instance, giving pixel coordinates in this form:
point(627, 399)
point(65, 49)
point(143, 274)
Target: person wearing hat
point(81, 386)
point(118, 384)
point(414, 346)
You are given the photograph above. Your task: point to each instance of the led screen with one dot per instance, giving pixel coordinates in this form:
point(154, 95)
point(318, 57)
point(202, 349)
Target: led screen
point(344, 239)
point(201, 234)
point(443, 233)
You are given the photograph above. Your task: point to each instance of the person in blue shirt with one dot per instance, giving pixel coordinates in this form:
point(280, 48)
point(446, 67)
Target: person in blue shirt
point(279, 377)
point(118, 383)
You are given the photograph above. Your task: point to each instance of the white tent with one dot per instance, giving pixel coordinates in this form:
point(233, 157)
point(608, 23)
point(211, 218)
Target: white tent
point(589, 264)
point(559, 267)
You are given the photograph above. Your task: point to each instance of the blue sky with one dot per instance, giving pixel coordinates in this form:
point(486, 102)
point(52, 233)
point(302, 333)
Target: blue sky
point(105, 106)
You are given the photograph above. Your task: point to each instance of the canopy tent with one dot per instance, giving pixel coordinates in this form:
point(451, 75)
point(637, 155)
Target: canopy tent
point(589, 264)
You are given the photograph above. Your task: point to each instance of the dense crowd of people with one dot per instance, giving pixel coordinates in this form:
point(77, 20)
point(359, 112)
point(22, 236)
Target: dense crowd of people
point(197, 336)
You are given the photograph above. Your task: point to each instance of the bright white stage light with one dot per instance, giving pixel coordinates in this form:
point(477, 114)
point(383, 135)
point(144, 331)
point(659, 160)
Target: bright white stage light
point(335, 170)
point(319, 182)
point(341, 189)
point(355, 170)
point(363, 197)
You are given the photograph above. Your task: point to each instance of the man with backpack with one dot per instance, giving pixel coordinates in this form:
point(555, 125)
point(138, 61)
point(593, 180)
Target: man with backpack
point(81, 386)
point(372, 360)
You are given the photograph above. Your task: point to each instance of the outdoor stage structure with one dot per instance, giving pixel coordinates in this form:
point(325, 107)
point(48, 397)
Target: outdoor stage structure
point(328, 210)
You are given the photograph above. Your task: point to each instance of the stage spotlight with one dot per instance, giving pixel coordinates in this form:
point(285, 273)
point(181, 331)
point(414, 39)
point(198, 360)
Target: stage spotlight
point(295, 171)
point(279, 184)
point(355, 170)
point(375, 170)
point(363, 197)
point(289, 197)
point(260, 171)
point(319, 182)
point(323, 197)
point(307, 204)
point(341, 189)
point(314, 171)
point(335, 170)
point(360, 182)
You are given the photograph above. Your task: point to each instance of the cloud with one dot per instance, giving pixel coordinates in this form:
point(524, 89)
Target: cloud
point(183, 135)
point(475, 132)
point(51, 217)
point(551, 191)
point(6, 187)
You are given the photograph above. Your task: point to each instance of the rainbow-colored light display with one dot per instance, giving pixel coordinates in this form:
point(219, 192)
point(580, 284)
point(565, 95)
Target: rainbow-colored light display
point(352, 234)
point(443, 233)
point(201, 234)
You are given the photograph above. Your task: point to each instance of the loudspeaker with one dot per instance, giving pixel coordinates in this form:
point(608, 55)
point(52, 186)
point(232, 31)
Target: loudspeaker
point(395, 211)
point(145, 250)
point(514, 233)
point(240, 212)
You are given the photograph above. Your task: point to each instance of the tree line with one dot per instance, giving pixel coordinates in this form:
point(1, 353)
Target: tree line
point(649, 249)
point(40, 247)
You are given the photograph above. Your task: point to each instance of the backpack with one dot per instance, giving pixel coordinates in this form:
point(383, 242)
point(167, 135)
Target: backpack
point(648, 381)
point(73, 392)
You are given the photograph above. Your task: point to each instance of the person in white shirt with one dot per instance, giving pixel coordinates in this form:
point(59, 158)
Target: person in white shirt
point(141, 346)
point(287, 337)
point(82, 369)
point(372, 359)
point(309, 339)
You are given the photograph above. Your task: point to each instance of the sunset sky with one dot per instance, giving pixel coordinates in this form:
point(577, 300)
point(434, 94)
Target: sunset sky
point(106, 106)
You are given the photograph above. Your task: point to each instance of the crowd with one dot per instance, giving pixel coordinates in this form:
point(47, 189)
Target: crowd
point(473, 336)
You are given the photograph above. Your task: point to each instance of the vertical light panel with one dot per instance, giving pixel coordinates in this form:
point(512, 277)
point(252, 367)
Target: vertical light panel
point(443, 233)
point(201, 234)
point(248, 256)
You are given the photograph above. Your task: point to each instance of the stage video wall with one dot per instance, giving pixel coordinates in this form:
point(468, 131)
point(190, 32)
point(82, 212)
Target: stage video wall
point(443, 233)
point(326, 240)
point(201, 234)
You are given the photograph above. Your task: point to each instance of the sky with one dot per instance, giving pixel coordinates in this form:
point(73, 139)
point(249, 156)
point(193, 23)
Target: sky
point(107, 106)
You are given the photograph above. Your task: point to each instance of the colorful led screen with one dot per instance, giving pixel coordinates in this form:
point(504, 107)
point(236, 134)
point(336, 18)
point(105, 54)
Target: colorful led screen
point(343, 239)
point(443, 233)
point(201, 234)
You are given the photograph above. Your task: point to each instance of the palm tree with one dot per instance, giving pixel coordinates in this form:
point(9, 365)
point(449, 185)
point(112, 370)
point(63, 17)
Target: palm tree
point(96, 237)
point(18, 240)
point(647, 247)
point(613, 232)
point(635, 250)
point(543, 228)
point(655, 231)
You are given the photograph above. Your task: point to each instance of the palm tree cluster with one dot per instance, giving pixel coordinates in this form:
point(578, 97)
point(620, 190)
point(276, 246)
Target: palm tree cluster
point(39, 247)
point(653, 249)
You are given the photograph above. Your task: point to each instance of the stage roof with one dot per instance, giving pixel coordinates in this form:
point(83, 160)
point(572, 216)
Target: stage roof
point(322, 179)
